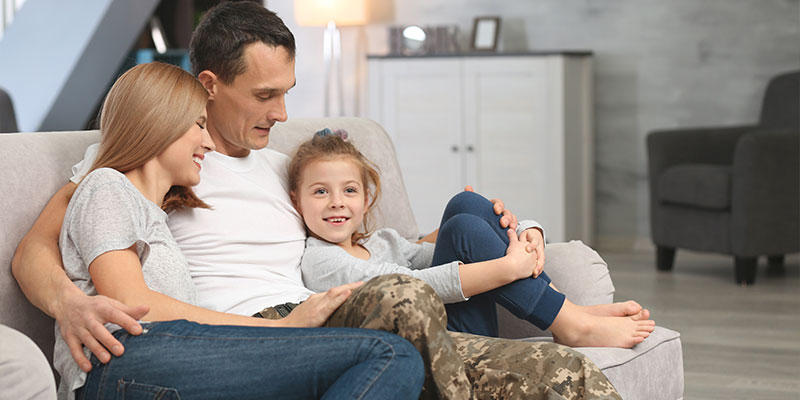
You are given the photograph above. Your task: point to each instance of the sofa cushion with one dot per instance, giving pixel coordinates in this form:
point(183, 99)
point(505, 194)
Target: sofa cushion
point(696, 185)
point(651, 370)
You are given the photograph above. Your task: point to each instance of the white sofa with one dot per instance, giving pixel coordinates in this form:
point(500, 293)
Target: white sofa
point(34, 165)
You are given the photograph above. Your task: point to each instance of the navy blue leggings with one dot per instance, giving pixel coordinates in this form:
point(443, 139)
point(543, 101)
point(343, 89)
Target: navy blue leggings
point(470, 232)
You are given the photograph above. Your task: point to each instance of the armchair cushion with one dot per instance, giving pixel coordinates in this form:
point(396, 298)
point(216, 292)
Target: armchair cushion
point(696, 185)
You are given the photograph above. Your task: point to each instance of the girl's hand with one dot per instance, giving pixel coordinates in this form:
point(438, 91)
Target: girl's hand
point(316, 309)
point(535, 243)
point(521, 261)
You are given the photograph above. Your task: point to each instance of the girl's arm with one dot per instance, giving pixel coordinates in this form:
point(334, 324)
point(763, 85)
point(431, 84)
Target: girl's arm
point(480, 277)
point(118, 274)
point(325, 265)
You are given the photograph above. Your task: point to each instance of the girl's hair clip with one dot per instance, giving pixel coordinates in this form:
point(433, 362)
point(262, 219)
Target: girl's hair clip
point(341, 133)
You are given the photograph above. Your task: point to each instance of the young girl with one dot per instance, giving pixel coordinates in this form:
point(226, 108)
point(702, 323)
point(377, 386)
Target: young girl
point(474, 265)
point(115, 242)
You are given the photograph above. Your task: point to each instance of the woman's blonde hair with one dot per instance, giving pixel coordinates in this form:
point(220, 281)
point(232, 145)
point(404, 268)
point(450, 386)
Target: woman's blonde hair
point(149, 107)
point(328, 147)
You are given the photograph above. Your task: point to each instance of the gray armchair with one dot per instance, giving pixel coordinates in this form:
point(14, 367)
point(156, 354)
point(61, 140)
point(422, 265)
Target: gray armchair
point(8, 122)
point(731, 190)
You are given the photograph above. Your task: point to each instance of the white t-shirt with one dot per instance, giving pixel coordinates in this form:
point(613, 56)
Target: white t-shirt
point(243, 254)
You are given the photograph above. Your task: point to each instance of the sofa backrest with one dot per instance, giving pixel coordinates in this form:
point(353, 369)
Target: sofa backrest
point(34, 165)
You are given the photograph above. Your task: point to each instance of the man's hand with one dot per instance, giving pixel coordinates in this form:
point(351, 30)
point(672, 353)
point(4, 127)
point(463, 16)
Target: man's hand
point(81, 319)
point(535, 243)
point(316, 309)
point(507, 219)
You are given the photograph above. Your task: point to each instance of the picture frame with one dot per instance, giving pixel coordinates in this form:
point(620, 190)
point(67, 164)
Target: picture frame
point(485, 31)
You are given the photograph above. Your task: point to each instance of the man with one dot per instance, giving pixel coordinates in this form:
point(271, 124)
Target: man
point(245, 253)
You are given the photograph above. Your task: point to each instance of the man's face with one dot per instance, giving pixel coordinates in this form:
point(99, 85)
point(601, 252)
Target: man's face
point(241, 113)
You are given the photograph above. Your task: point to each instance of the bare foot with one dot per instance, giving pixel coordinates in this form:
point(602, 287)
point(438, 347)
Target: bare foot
point(575, 327)
point(628, 308)
point(597, 331)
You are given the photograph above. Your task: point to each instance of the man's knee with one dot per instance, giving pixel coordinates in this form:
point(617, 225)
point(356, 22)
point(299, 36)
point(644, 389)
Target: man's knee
point(400, 286)
point(404, 295)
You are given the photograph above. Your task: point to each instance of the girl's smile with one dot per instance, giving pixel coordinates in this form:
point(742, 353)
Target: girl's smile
point(332, 200)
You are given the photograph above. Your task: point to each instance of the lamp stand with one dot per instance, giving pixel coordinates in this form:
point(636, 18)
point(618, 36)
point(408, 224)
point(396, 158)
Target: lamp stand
point(332, 53)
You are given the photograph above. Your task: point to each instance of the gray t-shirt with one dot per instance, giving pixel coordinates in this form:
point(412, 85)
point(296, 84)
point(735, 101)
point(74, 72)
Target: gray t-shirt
point(326, 265)
point(108, 213)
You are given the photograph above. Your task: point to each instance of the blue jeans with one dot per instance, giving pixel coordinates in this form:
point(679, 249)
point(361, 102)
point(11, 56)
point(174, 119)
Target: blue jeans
point(470, 232)
point(190, 360)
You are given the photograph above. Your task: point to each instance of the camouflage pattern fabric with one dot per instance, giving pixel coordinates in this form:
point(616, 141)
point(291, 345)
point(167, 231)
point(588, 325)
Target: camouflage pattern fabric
point(463, 366)
point(409, 307)
point(513, 369)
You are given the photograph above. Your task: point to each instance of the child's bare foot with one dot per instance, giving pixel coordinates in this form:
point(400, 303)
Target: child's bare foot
point(596, 331)
point(628, 308)
point(574, 326)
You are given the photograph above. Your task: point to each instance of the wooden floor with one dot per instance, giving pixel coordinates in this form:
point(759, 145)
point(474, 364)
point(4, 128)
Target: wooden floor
point(738, 342)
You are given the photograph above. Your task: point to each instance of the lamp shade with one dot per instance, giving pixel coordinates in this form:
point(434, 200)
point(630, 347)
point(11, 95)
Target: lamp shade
point(320, 12)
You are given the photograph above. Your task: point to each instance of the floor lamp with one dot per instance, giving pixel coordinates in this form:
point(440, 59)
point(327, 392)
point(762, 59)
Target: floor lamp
point(331, 14)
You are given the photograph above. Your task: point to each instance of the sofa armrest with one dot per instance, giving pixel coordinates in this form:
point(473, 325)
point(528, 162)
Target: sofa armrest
point(766, 194)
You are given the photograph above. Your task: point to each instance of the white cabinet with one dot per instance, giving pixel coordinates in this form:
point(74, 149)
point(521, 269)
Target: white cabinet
point(516, 127)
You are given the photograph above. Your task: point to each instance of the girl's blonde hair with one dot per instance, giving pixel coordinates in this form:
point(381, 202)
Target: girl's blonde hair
point(149, 107)
point(331, 147)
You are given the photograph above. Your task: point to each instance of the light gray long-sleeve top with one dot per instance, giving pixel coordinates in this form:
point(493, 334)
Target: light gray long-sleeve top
point(327, 265)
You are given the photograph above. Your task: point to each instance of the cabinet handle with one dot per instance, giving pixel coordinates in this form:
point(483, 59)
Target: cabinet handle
point(470, 148)
point(454, 149)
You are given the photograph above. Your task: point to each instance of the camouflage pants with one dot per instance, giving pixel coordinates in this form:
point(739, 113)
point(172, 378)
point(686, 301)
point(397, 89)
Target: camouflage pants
point(463, 366)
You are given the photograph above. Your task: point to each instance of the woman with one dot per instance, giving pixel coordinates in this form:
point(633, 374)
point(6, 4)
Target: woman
point(115, 242)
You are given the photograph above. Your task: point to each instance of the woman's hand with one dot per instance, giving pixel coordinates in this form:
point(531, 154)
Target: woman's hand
point(535, 243)
point(521, 261)
point(316, 309)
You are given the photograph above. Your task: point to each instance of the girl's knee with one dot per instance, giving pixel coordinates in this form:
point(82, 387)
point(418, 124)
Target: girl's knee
point(462, 224)
point(467, 202)
point(468, 228)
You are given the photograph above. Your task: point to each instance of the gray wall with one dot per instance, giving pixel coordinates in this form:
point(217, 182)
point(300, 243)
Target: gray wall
point(658, 64)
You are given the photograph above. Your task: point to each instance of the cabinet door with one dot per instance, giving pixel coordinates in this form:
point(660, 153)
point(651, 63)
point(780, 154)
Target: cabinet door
point(418, 102)
point(512, 106)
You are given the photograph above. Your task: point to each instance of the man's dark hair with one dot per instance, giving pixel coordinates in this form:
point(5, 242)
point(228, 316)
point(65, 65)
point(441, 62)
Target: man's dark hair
point(219, 40)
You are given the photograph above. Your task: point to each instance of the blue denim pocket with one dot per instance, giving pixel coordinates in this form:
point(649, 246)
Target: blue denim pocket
point(130, 390)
